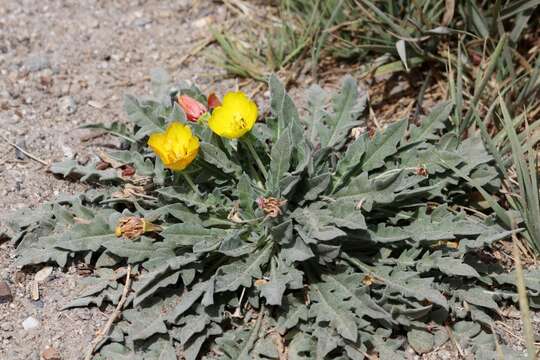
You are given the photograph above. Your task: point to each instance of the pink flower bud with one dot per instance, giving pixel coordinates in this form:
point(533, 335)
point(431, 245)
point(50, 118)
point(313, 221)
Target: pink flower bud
point(193, 109)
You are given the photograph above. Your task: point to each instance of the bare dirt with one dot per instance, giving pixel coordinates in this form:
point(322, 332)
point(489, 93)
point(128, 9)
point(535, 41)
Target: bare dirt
point(64, 64)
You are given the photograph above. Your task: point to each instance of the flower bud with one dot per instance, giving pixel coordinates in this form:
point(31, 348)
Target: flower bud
point(193, 109)
point(213, 101)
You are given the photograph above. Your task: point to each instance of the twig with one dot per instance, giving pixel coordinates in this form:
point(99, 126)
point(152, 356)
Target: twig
point(374, 118)
point(498, 349)
point(256, 90)
point(33, 157)
point(101, 335)
point(196, 49)
point(528, 333)
point(238, 312)
point(508, 331)
point(454, 341)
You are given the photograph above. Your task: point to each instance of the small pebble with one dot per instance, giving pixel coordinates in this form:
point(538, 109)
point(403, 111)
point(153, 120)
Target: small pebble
point(96, 104)
point(68, 105)
point(6, 327)
point(43, 274)
point(50, 353)
point(36, 63)
point(30, 323)
point(141, 22)
point(5, 293)
point(19, 277)
point(18, 153)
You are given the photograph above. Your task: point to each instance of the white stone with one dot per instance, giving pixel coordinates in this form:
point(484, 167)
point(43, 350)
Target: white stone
point(43, 274)
point(30, 323)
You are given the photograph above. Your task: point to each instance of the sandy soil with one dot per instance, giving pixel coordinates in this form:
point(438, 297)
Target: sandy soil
point(63, 64)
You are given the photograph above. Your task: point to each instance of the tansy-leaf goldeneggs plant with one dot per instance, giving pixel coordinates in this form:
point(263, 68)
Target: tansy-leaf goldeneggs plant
point(259, 233)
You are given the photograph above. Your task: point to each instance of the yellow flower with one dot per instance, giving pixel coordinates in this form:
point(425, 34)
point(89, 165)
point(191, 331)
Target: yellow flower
point(176, 147)
point(235, 117)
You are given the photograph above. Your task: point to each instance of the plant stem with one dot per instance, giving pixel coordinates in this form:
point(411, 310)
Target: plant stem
point(528, 333)
point(190, 183)
point(257, 158)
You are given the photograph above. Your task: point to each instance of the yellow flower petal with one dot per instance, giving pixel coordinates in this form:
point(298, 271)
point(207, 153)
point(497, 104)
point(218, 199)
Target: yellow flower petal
point(176, 147)
point(157, 142)
point(235, 117)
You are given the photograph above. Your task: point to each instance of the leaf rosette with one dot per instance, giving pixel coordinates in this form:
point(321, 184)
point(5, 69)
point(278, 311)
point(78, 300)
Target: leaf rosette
point(295, 235)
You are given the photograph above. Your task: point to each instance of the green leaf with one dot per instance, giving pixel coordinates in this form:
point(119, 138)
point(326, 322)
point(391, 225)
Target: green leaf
point(88, 237)
point(192, 348)
point(282, 107)
point(383, 145)
point(193, 324)
point(116, 351)
point(420, 340)
point(349, 289)
point(165, 275)
point(189, 235)
point(233, 244)
point(456, 267)
point(281, 278)
point(301, 346)
point(433, 122)
point(316, 100)
point(328, 308)
point(402, 52)
point(145, 115)
point(246, 197)
point(347, 108)
point(478, 296)
point(291, 313)
point(187, 300)
point(213, 155)
point(296, 251)
point(191, 199)
point(72, 169)
point(280, 159)
point(363, 192)
point(317, 223)
point(351, 160)
point(134, 251)
point(240, 273)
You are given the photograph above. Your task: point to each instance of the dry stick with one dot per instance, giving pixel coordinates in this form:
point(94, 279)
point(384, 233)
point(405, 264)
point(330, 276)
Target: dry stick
point(498, 350)
point(528, 333)
point(114, 315)
point(196, 49)
point(455, 342)
point(33, 157)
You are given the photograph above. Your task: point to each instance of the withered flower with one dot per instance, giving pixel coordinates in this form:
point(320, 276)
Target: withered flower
point(271, 206)
point(422, 171)
point(132, 227)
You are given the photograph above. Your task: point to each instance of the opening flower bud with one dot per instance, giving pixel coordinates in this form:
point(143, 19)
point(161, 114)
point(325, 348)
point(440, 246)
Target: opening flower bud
point(193, 109)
